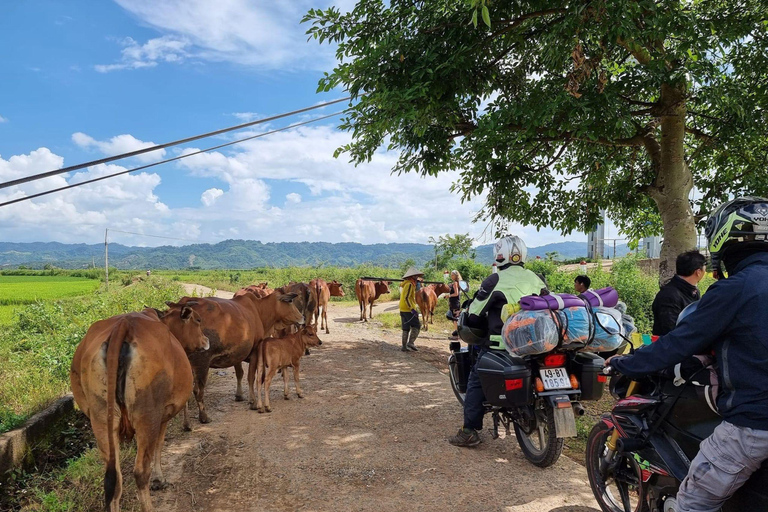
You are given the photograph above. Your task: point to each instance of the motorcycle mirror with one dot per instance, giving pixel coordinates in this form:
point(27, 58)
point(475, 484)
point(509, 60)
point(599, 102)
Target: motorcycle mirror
point(464, 286)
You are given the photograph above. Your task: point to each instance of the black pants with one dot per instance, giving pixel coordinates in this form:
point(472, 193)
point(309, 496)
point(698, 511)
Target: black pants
point(410, 321)
point(474, 398)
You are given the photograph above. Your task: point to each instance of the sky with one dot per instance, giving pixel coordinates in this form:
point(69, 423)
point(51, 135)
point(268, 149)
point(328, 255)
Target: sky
point(85, 80)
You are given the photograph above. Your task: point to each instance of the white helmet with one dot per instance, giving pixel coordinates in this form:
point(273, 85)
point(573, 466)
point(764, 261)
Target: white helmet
point(510, 249)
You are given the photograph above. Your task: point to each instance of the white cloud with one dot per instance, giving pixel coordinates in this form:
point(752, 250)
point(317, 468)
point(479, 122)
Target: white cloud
point(149, 54)
point(263, 35)
point(3, 120)
point(247, 117)
point(117, 145)
point(209, 197)
point(329, 199)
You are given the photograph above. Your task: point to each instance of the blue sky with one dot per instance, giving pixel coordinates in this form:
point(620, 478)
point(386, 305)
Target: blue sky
point(86, 79)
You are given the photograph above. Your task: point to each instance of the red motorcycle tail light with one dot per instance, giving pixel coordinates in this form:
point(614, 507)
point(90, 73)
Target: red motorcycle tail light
point(513, 384)
point(602, 378)
point(554, 360)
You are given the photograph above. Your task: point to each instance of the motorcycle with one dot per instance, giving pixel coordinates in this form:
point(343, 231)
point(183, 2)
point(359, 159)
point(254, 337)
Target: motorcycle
point(539, 396)
point(638, 455)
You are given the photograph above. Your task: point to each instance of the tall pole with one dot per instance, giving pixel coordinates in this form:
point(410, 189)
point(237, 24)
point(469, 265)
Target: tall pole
point(106, 257)
point(614, 248)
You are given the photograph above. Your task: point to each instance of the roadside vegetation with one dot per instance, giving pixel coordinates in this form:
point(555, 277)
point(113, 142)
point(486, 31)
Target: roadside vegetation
point(36, 348)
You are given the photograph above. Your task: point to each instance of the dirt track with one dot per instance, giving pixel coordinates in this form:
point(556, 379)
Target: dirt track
point(370, 435)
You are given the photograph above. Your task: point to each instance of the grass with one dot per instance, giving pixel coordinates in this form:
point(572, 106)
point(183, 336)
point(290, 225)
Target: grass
point(20, 290)
point(36, 349)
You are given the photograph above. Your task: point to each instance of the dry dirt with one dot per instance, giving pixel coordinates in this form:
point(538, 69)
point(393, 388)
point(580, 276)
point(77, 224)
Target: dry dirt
point(370, 434)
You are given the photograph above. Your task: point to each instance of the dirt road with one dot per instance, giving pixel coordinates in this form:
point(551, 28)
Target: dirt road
point(370, 434)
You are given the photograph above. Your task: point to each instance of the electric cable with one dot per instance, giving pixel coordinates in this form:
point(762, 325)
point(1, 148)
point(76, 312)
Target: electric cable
point(73, 185)
point(111, 230)
point(63, 170)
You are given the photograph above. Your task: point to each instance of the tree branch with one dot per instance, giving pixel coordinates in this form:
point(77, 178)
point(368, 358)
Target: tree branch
point(699, 134)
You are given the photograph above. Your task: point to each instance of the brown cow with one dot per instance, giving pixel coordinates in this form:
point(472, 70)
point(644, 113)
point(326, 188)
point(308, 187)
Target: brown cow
point(279, 354)
point(235, 326)
point(426, 298)
point(367, 292)
point(130, 375)
point(259, 290)
point(324, 292)
point(306, 299)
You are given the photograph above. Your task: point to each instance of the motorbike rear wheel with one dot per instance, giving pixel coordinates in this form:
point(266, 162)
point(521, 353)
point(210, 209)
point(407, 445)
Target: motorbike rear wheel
point(541, 447)
point(622, 484)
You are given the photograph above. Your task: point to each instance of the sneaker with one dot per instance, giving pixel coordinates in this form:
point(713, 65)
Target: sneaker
point(412, 347)
point(466, 437)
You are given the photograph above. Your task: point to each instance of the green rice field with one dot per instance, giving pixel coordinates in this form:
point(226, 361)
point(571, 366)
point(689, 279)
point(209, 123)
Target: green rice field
point(17, 291)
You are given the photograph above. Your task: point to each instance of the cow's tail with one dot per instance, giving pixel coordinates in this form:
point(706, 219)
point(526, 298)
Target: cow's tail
point(114, 344)
point(317, 306)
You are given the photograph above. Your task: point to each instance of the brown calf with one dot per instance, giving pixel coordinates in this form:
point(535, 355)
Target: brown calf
point(130, 375)
point(324, 292)
point(426, 298)
point(279, 354)
point(260, 290)
point(367, 292)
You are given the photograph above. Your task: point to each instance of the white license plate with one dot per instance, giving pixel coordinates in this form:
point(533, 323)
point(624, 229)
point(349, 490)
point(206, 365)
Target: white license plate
point(555, 378)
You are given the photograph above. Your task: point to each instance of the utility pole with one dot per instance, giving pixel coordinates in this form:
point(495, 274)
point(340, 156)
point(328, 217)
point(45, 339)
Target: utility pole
point(106, 257)
point(614, 248)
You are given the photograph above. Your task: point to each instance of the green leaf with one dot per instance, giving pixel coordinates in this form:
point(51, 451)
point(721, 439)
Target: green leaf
point(474, 18)
point(486, 16)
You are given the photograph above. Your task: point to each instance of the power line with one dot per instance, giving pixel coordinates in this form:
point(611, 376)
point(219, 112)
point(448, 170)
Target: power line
point(63, 170)
point(81, 183)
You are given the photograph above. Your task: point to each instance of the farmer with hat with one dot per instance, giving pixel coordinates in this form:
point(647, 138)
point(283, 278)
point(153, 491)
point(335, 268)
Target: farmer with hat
point(408, 314)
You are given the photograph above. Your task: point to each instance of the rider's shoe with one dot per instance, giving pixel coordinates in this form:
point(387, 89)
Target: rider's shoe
point(455, 333)
point(466, 437)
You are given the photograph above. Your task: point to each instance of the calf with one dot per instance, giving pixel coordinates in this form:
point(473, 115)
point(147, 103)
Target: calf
point(259, 290)
point(426, 298)
point(279, 354)
point(324, 292)
point(130, 375)
point(367, 292)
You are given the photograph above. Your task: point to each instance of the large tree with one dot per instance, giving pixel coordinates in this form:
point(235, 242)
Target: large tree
point(556, 109)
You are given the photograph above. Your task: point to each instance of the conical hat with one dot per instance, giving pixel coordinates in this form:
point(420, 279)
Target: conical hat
point(413, 271)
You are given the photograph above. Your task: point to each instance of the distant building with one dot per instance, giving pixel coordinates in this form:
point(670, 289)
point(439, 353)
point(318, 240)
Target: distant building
point(596, 239)
point(652, 246)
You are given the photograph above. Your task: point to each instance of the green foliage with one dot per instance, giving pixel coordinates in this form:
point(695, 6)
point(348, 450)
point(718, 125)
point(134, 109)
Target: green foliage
point(36, 349)
point(548, 93)
point(451, 246)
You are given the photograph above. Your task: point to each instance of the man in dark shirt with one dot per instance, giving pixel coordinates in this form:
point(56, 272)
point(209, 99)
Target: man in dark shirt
point(679, 292)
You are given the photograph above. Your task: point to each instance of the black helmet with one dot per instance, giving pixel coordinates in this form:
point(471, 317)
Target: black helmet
point(741, 221)
point(470, 335)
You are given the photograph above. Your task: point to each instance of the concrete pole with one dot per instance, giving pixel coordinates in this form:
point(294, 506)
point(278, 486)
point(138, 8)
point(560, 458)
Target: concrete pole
point(106, 257)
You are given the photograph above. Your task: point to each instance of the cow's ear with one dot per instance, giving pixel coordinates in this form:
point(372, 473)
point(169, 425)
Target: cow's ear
point(186, 313)
point(288, 297)
point(170, 304)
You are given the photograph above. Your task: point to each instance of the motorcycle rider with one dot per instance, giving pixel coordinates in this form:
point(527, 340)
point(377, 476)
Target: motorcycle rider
point(508, 285)
point(731, 319)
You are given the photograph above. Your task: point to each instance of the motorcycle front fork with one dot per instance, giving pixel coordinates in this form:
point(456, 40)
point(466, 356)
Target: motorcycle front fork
point(611, 443)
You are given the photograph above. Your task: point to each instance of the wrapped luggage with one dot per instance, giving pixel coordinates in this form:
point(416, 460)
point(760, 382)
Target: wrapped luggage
point(577, 328)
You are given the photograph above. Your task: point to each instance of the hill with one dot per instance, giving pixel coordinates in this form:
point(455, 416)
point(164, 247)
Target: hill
point(243, 254)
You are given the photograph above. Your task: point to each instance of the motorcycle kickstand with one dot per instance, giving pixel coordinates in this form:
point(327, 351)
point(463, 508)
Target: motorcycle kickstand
point(495, 431)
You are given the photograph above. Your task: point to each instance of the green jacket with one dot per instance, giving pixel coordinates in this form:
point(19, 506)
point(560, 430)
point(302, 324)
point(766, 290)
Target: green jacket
point(508, 286)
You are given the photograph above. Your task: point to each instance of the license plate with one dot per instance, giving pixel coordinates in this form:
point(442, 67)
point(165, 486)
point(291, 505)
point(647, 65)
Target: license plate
point(555, 378)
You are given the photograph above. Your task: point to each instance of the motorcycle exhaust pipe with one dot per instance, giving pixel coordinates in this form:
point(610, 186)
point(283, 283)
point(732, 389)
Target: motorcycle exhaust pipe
point(578, 410)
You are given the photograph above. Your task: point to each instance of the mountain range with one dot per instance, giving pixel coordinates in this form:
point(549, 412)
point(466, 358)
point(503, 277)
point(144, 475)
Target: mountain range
point(243, 254)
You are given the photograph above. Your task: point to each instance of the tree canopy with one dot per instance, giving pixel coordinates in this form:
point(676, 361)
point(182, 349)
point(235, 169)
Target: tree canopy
point(555, 109)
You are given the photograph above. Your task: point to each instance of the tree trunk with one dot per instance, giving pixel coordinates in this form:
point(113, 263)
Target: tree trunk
point(673, 183)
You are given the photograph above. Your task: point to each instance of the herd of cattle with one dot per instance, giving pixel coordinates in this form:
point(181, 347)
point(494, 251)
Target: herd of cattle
point(132, 373)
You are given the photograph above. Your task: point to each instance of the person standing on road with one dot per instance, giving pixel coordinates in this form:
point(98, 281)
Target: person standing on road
point(454, 302)
point(511, 283)
point(679, 292)
point(409, 316)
